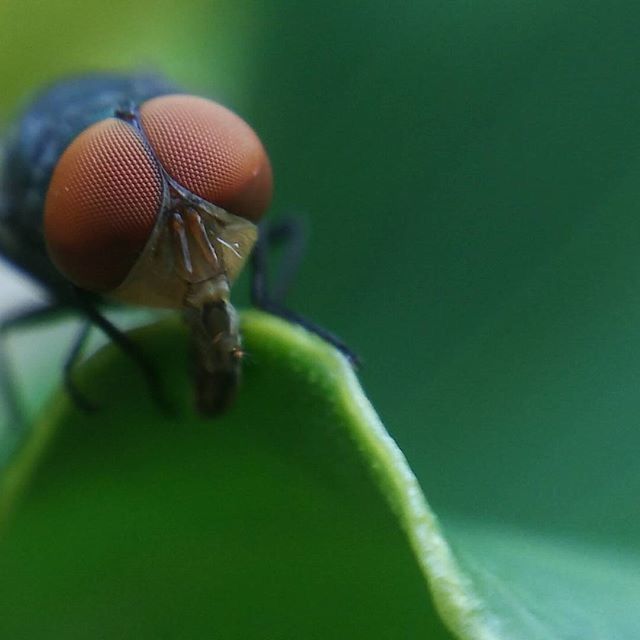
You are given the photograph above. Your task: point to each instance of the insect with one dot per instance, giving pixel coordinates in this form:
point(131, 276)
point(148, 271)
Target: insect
point(120, 187)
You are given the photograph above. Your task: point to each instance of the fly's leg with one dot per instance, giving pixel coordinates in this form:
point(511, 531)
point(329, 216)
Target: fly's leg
point(9, 393)
point(290, 234)
point(88, 308)
point(8, 390)
point(77, 397)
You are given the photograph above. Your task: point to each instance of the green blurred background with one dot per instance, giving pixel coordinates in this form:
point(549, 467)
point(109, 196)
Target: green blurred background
point(470, 173)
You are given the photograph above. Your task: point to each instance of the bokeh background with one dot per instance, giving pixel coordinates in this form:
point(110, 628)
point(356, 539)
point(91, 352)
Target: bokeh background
point(470, 175)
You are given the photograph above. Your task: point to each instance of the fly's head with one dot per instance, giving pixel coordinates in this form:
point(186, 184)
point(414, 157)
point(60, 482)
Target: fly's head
point(158, 206)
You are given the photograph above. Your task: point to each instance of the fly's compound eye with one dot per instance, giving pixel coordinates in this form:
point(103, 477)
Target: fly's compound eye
point(101, 206)
point(210, 151)
point(106, 196)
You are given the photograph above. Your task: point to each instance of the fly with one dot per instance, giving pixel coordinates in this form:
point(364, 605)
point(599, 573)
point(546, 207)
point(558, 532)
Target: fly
point(120, 187)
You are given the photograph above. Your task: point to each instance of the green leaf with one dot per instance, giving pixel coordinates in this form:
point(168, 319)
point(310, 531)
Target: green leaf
point(541, 588)
point(293, 516)
point(477, 164)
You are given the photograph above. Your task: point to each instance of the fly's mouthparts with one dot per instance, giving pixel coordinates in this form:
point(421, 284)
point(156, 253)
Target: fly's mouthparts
point(238, 354)
point(217, 351)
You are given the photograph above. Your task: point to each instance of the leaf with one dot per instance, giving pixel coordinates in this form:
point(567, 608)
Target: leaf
point(471, 178)
point(543, 587)
point(294, 516)
point(476, 163)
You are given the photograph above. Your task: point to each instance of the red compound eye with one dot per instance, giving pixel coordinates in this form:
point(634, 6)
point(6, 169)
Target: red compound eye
point(101, 206)
point(210, 151)
point(106, 191)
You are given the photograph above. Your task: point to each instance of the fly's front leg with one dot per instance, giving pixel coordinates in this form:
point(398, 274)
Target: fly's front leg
point(87, 306)
point(8, 388)
point(77, 397)
point(290, 234)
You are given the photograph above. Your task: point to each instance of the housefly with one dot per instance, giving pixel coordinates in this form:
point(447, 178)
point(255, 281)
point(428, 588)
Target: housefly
point(122, 187)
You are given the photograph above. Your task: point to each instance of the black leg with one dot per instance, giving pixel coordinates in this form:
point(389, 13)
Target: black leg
point(288, 230)
point(291, 233)
point(87, 307)
point(8, 390)
point(77, 397)
point(9, 393)
point(33, 316)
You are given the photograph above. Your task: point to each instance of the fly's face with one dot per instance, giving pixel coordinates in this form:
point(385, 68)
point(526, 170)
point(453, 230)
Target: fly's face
point(158, 206)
